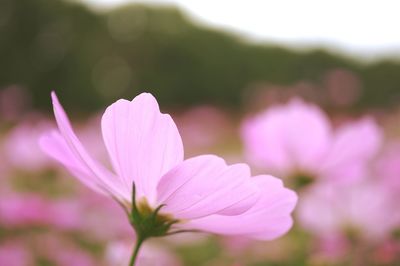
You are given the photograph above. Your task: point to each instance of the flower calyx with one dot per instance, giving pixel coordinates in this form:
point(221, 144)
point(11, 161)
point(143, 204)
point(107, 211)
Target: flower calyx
point(149, 222)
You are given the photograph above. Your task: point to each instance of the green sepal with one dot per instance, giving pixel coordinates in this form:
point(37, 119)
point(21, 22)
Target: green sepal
point(149, 222)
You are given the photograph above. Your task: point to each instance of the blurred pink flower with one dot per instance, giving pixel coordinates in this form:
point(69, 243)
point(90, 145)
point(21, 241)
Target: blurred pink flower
point(236, 244)
point(387, 253)
point(66, 214)
point(387, 167)
point(364, 210)
point(54, 249)
point(332, 247)
point(21, 147)
point(118, 254)
point(13, 253)
point(66, 256)
point(96, 211)
point(27, 210)
point(146, 149)
point(21, 210)
point(297, 139)
point(62, 252)
point(188, 239)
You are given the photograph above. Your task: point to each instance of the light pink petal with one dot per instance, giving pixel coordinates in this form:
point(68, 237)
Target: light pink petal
point(104, 178)
point(55, 146)
point(269, 218)
point(308, 133)
point(288, 138)
point(21, 145)
point(387, 167)
point(205, 185)
point(15, 252)
point(353, 146)
point(346, 173)
point(361, 206)
point(262, 140)
point(143, 143)
point(321, 200)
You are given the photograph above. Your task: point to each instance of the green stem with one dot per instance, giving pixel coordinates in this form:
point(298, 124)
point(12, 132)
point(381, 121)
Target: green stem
point(138, 244)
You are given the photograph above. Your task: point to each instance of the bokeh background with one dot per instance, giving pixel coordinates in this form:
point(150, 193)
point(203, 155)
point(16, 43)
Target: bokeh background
point(210, 79)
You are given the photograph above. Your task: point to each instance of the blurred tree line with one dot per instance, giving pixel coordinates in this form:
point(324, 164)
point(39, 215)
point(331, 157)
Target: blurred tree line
point(93, 58)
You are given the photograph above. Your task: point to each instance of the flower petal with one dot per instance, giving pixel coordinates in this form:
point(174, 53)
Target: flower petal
point(205, 185)
point(143, 143)
point(269, 218)
point(103, 177)
point(54, 145)
point(289, 138)
point(352, 148)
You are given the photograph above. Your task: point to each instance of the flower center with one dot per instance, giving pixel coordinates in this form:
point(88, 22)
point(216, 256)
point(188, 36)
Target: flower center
point(300, 180)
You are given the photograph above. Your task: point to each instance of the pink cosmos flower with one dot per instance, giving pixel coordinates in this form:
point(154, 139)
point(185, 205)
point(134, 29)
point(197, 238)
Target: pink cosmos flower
point(61, 251)
point(297, 139)
point(118, 253)
point(21, 147)
point(332, 248)
point(21, 210)
point(96, 210)
point(13, 253)
point(202, 193)
point(387, 167)
point(364, 210)
point(387, 253)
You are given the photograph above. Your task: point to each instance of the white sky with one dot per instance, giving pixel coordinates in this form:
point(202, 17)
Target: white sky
point(362, 27)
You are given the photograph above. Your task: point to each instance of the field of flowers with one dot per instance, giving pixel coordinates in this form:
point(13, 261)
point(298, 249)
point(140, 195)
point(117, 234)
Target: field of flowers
point(344, 169)
point(134, 136)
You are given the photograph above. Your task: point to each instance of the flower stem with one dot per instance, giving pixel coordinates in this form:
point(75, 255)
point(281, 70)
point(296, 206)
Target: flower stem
point(135, 253)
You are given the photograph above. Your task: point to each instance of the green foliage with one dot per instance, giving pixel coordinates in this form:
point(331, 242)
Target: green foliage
point(94, 58)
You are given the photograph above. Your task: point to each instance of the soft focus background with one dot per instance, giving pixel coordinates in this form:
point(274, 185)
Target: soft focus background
point(213, 65)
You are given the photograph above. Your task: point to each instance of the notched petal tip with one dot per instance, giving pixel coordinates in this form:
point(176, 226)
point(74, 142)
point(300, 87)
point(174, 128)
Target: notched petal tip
point(146, 97)
point(146, 94)
point(143, 143)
